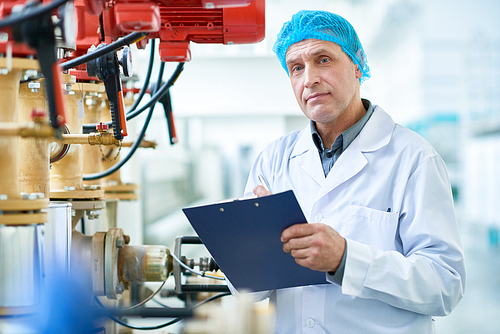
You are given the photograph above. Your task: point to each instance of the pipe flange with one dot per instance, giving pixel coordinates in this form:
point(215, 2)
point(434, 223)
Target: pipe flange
point(98, 263)
point(112, 285)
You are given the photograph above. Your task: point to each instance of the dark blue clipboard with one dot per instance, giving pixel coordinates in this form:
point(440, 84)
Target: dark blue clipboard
point(244, 235)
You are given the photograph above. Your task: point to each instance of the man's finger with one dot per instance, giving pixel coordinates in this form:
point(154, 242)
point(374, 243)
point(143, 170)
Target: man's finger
point(260, 191)
point(297, 243)
point(297, 231)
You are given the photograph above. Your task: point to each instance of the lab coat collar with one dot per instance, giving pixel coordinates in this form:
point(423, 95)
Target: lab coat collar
point(307, 156)
point(376, 134)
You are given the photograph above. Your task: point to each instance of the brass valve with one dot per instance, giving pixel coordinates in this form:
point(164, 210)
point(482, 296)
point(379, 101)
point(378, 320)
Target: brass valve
point(36, 130)
point(103, 138)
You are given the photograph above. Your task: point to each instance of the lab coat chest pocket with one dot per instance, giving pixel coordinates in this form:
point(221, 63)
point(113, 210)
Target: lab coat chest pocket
point(371, 227)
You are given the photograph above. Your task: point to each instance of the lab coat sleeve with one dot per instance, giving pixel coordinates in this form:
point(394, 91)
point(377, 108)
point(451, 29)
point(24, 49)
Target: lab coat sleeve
point(428, 276)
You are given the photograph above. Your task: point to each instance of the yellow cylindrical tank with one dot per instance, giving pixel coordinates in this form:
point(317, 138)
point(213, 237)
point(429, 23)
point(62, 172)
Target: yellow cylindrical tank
point(9, 146)
point(34, 175)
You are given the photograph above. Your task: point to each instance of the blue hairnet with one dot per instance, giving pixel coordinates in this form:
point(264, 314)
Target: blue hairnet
point(324, 26)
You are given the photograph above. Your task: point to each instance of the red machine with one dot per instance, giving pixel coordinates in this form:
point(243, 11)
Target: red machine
point(178, 22)
point(175, 23)
point(7, 44)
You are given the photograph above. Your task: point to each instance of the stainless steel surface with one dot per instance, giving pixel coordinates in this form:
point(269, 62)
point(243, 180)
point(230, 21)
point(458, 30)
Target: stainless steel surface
point(58, 240)
point(21, 251)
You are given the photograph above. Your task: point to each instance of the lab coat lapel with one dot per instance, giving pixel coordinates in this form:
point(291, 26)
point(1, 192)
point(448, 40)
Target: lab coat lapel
point(350, 163)
point(306, 156)
point(376, 134)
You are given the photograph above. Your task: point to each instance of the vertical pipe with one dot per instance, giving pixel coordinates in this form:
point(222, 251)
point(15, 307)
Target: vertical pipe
point(34, 174)
point(68, 172)
point(9, 162)
point(92, 162)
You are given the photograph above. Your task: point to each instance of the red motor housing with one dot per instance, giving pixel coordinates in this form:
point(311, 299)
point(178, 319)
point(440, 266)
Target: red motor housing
point(177, 23)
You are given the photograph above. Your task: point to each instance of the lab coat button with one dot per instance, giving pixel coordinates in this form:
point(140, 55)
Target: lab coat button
point(310, 323)
point(318, 217)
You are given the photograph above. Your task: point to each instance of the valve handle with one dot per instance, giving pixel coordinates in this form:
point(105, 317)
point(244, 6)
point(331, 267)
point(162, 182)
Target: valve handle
point(107, 69)
point(166, 101)
point(101, 127)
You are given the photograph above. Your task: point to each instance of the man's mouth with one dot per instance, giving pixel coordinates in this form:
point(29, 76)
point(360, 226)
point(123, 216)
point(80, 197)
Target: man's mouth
point(315, 96)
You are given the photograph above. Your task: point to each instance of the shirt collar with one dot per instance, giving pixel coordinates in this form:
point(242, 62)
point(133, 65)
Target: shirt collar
point(346, 137)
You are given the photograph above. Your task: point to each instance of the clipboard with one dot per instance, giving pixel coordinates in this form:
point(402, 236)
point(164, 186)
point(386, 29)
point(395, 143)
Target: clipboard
point(244, 235)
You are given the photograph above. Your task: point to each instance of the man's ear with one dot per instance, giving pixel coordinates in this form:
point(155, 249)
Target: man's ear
point(358, 72)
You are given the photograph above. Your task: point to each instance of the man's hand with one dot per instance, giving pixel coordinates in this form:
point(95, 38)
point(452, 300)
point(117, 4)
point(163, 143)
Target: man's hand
point(260, 191)
point(315, 246)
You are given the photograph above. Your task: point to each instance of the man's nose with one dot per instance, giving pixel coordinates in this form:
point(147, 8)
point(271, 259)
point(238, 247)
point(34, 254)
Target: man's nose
point(311, 76)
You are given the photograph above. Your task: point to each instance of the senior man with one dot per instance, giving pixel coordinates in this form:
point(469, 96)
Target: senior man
point(376, 195)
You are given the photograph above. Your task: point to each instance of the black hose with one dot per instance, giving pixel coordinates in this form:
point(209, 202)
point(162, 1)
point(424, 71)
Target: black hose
point(138, 141)
point(17, 18)
point(130, 38)
point(220, 295)
point(87, 128)
point(148, 78)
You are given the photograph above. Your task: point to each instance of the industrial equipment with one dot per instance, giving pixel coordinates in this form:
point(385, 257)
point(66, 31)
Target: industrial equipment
point(71, 241)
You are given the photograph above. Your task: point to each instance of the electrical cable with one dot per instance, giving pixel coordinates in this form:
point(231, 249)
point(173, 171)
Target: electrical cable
point(154, 99)
point(129, 39)
point(134, 147)
point(147, 299)
point(17, 18)
point(133, 326)
point(147, 79)
point(220, 295)
point(160, 303)
point(199, 273)
point(138, 141)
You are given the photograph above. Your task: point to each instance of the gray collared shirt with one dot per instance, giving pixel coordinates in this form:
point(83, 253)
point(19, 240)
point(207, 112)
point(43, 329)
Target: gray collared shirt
point(330, 156)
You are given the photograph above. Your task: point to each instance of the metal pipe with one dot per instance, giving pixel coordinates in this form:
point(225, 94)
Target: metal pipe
point(155, 312)
point(92, 162)
point(26, 130)
point(34, 175)
point(10, 130)
point(44, 130)
point(67, 172)
point(144, 263)
point(205, 288)
point(9, 146)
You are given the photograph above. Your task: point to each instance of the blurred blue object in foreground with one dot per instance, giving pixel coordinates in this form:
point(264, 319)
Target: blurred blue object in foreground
point(67, 307)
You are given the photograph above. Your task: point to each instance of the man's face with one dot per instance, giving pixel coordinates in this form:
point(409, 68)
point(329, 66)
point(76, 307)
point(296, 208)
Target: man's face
point(324, 79)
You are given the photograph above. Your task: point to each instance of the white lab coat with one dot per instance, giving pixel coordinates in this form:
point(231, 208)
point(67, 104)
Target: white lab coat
point(389, 195)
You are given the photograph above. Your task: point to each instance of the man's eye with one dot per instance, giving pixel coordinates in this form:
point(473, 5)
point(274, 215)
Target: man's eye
point(324, 60)
point(296, 68)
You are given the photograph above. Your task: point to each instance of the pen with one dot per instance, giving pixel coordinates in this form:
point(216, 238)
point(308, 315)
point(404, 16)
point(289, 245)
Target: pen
point(264, 183)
